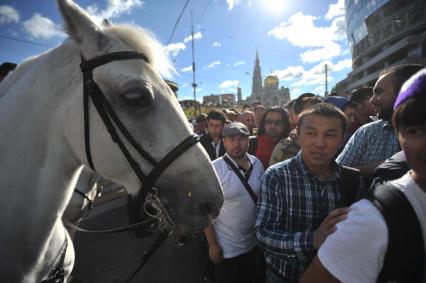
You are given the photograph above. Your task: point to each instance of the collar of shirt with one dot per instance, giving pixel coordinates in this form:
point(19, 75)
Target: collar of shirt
point(249, 157)
point(334, 172)
point(387, 125)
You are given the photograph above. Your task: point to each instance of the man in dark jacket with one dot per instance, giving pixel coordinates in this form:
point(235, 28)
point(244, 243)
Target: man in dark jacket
point(212, 141)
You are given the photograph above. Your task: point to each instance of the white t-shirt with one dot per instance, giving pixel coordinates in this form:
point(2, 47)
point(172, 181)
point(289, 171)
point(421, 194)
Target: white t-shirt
point(234, 227)
point(355, 252)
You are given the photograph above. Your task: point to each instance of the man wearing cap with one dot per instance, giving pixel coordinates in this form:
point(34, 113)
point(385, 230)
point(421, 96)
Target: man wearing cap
point(231, 237)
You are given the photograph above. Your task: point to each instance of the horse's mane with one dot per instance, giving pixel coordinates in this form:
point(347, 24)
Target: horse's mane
point(15, 75)
point(142, 40)
point(137, 38)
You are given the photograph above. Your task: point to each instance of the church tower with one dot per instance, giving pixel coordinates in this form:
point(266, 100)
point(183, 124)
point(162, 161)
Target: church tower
point(257, 78)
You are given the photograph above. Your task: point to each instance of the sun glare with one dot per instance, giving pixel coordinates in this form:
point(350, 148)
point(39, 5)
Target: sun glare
point(275, 6)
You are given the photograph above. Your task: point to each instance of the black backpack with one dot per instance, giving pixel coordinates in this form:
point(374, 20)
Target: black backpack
point(404, 260)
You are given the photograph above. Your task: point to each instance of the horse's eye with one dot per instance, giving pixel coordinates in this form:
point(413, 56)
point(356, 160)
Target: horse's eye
point(137, 98)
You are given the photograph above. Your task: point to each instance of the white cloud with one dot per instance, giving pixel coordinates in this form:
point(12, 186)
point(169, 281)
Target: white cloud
point(239, 63)
point(212, 65)
point(197, 35)
point(8, 14)
point(301, 31)
point(335, 10)
point(113, 9)
point(232, 3)
point(319, 90)
point(342, 64)
point(186, 85)
point(327, 52)
point(186, 69)
point(290, 73)
point(296, 91)
point(229, 85)
point(175, 48)
point(217, 44)
point(42, 28)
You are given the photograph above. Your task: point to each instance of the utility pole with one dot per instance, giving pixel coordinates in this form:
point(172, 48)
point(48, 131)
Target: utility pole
point(194, 85)
point(326, 82)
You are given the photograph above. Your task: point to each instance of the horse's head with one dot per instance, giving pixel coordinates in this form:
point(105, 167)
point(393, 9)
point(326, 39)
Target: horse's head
point(148, 109)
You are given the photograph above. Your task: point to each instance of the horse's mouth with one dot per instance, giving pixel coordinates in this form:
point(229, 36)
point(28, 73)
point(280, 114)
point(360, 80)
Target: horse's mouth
point(186, 224)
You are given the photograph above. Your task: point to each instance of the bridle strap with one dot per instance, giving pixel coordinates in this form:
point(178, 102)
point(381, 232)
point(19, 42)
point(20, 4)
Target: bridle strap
point(109, 117)
point(172, 156)
point(132, 227)
point(92, 90)
point(89, 65)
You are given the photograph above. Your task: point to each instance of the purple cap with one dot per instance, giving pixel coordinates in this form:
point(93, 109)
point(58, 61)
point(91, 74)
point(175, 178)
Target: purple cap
point(415, 86)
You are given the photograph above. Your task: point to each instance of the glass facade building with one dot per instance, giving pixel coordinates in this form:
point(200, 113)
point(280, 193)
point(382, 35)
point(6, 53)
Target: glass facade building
point(356, 13)
point(383, 33)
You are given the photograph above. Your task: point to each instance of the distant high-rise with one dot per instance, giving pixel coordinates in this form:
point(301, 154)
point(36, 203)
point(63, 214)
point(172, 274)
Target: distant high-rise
point(383, 33)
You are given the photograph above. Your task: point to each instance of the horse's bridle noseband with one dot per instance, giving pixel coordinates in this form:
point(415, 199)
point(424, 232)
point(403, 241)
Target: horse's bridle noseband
point(147, 192)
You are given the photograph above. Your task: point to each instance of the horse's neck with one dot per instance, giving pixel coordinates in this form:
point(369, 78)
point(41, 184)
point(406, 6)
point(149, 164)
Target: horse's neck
point(37, 167)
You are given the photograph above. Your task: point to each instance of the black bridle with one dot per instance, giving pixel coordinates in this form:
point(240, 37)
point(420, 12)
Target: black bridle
point(152, 204)
point(112, 122)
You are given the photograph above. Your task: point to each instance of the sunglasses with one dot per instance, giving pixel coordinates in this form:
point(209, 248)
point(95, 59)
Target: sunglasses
point(275, 122)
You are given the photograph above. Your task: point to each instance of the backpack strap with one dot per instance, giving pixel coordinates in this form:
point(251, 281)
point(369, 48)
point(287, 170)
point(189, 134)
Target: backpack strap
point(351, 184)
point(404, 259)
point(243, 179)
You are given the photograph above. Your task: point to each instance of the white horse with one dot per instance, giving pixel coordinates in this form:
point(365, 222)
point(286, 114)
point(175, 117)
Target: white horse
point(42, 144)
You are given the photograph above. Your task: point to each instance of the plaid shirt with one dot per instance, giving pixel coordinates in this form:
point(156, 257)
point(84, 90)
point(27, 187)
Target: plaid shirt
point(372, 142)
point(291, 205)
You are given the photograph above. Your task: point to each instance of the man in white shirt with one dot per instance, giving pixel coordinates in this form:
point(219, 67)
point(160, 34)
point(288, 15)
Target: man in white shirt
point(356, 251)
point(231, 238)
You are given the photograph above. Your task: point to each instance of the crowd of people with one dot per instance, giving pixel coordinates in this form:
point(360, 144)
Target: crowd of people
point(322, 190)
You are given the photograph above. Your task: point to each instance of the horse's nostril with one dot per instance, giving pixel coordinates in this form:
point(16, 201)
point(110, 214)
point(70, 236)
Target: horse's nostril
point(206, 208)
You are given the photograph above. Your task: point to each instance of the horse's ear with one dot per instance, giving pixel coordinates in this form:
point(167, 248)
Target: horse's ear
point(106, 23)
point(78, 24)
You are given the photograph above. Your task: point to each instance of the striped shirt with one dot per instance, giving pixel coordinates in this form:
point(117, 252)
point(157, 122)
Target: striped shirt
point(374, 141)
point(291, 205)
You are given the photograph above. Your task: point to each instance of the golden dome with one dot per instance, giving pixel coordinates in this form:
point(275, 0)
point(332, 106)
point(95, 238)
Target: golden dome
point(271, 81)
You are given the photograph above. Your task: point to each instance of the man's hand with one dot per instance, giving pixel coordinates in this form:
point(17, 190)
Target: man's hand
point(328, 226)
point(215, 254)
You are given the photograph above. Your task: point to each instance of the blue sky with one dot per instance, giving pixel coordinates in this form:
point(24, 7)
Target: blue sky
point(294, 38)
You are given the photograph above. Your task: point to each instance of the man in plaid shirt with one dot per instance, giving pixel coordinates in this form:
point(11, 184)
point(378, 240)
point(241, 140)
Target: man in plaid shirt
point(298, 206)
point(374, 142)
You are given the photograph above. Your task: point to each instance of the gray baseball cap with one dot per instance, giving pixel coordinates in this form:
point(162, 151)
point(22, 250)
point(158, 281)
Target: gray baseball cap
point(235, 128)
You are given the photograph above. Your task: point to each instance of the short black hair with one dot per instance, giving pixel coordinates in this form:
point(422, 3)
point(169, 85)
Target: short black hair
point(6, 67)
point(301, 103)
point(325, 110)
point(361, 94)
point(289, 104)
point(400, 74)
point(349, 104)
point(284, 117)
point(216, 115)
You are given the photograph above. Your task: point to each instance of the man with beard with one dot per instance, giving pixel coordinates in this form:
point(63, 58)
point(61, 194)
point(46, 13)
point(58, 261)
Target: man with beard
point(231, 238)
point(374, 142)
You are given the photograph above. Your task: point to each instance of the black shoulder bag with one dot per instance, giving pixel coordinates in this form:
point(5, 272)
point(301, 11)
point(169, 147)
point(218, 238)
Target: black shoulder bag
point(243, 179)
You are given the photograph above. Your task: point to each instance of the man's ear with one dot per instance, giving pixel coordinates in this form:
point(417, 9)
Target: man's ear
point(297, 132)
